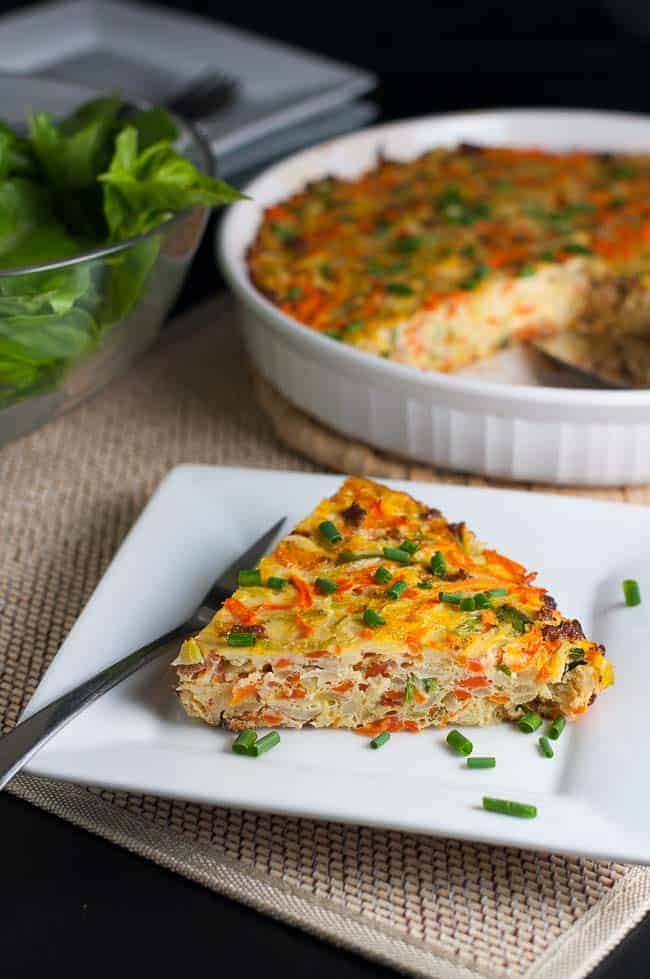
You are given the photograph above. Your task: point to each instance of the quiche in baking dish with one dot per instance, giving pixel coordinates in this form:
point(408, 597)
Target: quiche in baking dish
point(442, 260)
point(377, 614)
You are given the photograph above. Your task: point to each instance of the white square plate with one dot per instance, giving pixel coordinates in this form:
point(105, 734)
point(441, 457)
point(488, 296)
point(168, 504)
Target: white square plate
point(593, 797)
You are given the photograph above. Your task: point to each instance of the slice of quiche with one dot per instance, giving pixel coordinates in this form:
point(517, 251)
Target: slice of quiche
point(376, 614)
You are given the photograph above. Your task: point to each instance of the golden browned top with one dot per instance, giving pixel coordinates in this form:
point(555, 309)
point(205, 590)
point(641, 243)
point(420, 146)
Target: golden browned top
point(348, 256)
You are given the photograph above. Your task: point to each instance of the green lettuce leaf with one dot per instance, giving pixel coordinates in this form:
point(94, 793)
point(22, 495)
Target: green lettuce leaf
point(143, 189)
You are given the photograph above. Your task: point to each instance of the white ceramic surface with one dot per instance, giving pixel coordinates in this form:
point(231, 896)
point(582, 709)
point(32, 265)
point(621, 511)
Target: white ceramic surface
point(520, 432)
point(593, 797)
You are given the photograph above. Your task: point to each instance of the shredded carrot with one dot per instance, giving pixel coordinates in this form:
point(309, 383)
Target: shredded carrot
point(343, 687)
point(242, 692)
point(461, 694)
point(474, 683)
point(305, 628)
point(513, 568)
point(304, 594)
point(282, 663)
point(318, 653)
point(240, 611)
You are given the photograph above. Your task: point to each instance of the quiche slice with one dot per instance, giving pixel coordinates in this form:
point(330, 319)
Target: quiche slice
point(377, 614)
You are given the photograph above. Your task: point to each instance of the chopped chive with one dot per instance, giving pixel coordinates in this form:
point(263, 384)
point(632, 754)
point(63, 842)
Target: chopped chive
point(326, 586)
point(450, 597)
point(526, 270)
point(244, 742)
point(248, 579)
point(632, 592)
point(529, 722)
point(545, 747)
point(372, 618)
point(438, 564)
point(380, 739)
point(241, 639)
point(410, 546)
point(460, 744)
point(504, 669)
point(277, 584)
point(496, 592)
point(430, 684)
point(397, 554)
point(517, 619)
point(407, 244)
point(265, 744)
point(397, 589)
point(399, 289)
point(425, 585)
point(508, 808)
point(576, 249)
point(330, 532)
point(382, 575)
point(409, 689)
point(294, 293)
point(354, 327)
point(468, 604)
point(556, 727)
point(481, 600)
point(485, 762)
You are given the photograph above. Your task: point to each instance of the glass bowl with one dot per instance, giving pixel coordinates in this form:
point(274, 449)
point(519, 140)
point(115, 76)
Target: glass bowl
point(53, 359)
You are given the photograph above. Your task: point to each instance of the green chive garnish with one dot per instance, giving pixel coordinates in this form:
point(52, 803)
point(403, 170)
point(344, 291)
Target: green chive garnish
point(504, 669)
point(496, 592)
point(326, 586)
point(450, 597)
point(265, 744)
point(277, 584)
point(399, 289)
point(397, 589)
point(577, 249)
point(382, 575)
point(526, 270)
point(545, 747)
point(430, 684)
point(329, 531)
point(244, 742)
point(468, 604)
point(508, 808)
point(517, 619)
point(632, 592)
point(410, 546)
point(241, 639)
point(481, 600)
point(438, 564)
point(397, 554)
point(460, 744)
point(294, 293)
point(248, 579)
point(425, 585)
point(346, 557)
point(484, 762)
point(372, 618)
point(380, 739)
point(556, 727)
point(409, 689)
point(530, 722)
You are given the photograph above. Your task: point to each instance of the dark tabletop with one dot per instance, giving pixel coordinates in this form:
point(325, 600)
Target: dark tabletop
point(85, 908)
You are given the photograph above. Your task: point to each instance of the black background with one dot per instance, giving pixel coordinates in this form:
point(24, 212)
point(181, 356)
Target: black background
point(82, 907)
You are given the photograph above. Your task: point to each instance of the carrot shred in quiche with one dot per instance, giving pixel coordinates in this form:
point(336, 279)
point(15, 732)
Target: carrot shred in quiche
point(439, 261)
point(428, 628)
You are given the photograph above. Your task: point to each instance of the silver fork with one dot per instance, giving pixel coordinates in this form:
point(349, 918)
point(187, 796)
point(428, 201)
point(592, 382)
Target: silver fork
point(27, 738)
point(204, 95)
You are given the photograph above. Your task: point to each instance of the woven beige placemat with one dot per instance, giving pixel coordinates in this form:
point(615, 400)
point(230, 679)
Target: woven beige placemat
point(430, 907)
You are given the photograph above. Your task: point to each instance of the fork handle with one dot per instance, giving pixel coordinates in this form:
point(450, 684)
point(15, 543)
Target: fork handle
point(27, 738)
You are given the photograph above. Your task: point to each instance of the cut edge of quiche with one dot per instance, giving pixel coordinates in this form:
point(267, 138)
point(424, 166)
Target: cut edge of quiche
point(376, 614)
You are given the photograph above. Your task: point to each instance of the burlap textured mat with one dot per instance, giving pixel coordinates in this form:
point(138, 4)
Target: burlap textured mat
point(429, 907)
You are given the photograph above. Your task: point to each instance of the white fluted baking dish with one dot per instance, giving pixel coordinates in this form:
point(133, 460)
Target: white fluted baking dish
point(514, 431)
